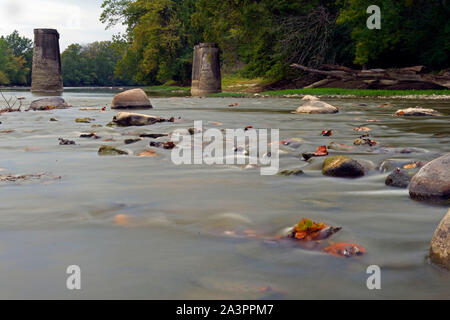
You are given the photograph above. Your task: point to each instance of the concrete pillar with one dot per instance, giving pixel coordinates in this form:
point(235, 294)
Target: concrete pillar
point(206, 70)
point(46, 73)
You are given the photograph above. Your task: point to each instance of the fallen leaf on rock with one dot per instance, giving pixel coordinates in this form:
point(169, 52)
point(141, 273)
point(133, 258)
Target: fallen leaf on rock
point(413, 165)
point(365, 129)
point(6, 131)
point(321, 151)
point(327, 133)
point(147, 153)
point(345, 249)
point(308, 230)
point(365, 140)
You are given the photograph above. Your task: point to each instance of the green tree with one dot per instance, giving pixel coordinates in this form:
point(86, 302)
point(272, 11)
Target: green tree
point(412, 32)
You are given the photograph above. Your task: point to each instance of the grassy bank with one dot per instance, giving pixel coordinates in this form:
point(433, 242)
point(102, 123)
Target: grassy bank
point(165, 90)
point(236, 86)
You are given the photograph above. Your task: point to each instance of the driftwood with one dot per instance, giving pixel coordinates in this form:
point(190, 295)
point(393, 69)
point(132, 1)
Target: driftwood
point(384, 77)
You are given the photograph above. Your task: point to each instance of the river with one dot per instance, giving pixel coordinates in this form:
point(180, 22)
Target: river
point(174, 244)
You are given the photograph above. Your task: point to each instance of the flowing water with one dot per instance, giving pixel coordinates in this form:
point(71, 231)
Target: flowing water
point(142, 227)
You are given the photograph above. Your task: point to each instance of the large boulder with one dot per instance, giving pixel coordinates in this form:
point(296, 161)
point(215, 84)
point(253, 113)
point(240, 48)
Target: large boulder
point(342, 166)
point(416, 112)
point(126, 119)
point(315, 106)
point(131, 99)
point(432, 182)
point(49, 103)
point(440, 243)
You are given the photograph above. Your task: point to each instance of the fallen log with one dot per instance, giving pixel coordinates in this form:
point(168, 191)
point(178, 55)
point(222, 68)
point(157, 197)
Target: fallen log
point(384, 77)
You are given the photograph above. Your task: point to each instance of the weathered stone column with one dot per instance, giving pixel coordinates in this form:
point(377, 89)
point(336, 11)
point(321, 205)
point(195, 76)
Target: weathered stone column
point(206, 70)
point(46, 73)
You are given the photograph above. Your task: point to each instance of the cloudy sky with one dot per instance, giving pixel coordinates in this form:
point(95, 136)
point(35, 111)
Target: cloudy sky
point(77, 21)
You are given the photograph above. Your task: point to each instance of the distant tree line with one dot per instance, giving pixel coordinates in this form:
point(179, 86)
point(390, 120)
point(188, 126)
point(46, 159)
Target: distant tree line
point(258, 38)
point(16, 54)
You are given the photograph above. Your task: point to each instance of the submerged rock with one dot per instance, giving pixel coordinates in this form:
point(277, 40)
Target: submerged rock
point(84, 120)
point(110, 151)
point(317, 107)
point(432, 182)
point(392, 164)
point(400, 178)
point(48, 104)
point(135, 119)
point(440, 243)
point(342, 166)
point(131, 99)
point(65, 141)
point(416, 112)
point(153, 135)
point(133, 140)
point(295, 172)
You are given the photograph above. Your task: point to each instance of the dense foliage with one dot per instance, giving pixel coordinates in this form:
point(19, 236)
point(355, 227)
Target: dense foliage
point(16, 54)
point(258, 38)
point(262, 37)
point(93, 64)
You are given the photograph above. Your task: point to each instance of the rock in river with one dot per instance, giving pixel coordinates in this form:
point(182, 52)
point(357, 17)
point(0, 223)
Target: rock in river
point(49, 103)
point(440, 243)
point(315, 106)
point(416, 112)
point(399, 178)
point(310, 98)
point(134, 119)
point(342, 166)
point(110, 151)
point(131, 99)
point(432, 182)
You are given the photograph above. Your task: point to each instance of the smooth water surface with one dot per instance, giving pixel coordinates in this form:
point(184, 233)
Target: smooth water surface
point(174, 244)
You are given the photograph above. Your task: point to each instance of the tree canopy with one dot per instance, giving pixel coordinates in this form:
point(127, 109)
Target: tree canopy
point(258, 38)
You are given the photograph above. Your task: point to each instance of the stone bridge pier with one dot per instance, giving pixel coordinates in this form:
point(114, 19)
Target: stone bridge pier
point(46, 72)
point(206, 70)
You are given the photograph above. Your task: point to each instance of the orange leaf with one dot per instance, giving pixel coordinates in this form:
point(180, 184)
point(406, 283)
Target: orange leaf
point(365, 129)
point(345, 249)
point(147, 153)
point(327, 133)
point(321, 151)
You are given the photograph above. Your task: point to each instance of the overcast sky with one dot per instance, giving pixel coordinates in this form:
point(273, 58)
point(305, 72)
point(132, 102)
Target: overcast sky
point(77, 21)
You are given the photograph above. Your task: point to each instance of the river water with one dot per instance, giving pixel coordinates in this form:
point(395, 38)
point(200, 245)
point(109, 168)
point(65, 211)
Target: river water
point(142, 227)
